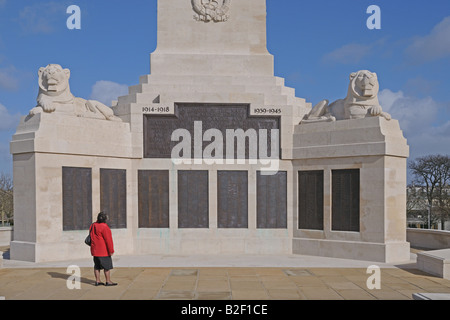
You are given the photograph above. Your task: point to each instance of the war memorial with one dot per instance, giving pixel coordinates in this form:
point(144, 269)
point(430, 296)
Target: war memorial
point(211, 154)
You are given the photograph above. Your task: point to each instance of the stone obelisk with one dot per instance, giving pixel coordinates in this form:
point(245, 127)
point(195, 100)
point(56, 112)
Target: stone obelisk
point(229, 38)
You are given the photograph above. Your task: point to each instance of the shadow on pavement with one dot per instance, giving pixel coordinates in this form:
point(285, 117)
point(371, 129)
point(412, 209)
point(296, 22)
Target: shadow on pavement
point(64, 276)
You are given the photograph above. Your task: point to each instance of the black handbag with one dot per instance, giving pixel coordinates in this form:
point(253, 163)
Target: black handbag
point(87, 241)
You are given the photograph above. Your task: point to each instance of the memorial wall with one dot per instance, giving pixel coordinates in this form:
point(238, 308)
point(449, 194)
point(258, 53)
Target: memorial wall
point(210, 153)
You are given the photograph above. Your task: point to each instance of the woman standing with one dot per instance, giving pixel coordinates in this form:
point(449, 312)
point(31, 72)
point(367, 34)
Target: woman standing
point(102, 248)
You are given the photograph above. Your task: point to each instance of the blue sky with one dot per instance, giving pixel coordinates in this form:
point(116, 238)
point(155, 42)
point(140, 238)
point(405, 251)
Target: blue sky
point(316, 45)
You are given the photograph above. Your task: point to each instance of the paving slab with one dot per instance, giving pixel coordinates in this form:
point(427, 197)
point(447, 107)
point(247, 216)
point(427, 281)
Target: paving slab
point(355, 294)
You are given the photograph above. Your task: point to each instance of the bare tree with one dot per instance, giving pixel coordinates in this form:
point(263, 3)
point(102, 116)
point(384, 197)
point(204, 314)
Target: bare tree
point(416, 204)
point(433, 173)
point(6, 198)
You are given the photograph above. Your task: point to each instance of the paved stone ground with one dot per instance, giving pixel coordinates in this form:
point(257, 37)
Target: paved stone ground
point(210, 278)
point(220, 284)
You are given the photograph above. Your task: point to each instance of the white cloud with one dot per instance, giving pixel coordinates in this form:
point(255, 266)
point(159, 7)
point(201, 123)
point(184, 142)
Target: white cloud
point(42, 17)
point(434, 46)
point(8, 79)
point(410, 111)
point(417, 119)
point(348, 54)
point(107, 91)
point(7, 120)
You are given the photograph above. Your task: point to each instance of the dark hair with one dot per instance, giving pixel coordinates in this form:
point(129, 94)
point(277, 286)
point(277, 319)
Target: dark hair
point(102, 217)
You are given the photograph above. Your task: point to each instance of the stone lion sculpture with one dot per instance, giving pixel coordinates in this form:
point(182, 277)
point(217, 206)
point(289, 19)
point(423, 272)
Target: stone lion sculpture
point(55, 96)
point(361, 101)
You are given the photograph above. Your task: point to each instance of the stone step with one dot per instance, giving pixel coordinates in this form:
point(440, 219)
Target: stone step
point(187, 87)
point(268, 90)
point(431, 296)
point(271, 90)
point(435, 262)
point(205, 79)
point(231, 96)
point(124, 110)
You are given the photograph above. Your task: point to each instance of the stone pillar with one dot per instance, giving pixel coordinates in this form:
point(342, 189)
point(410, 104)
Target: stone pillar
point(235, 47)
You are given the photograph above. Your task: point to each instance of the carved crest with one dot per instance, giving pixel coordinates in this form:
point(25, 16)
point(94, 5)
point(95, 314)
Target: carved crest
point(211, 10)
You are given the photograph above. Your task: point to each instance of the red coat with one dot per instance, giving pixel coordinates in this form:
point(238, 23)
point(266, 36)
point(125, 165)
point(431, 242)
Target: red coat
point(101, 240)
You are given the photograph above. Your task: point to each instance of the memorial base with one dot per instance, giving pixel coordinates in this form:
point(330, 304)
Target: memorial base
point(365, 251)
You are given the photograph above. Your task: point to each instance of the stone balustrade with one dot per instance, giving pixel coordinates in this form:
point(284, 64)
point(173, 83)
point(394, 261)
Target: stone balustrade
point(428, 239)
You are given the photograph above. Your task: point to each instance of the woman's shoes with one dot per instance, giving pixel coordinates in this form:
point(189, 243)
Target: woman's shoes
point(110, 284)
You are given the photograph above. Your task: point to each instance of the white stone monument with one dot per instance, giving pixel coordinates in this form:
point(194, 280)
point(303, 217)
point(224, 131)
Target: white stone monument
point(170, 164)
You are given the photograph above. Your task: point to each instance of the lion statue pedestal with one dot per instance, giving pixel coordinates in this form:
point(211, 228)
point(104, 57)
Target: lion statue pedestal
point(371, 150)
point(354, 156)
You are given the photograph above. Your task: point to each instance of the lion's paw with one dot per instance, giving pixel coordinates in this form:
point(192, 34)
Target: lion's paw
point(35, 110)
point(387, 116)
point(376, 110)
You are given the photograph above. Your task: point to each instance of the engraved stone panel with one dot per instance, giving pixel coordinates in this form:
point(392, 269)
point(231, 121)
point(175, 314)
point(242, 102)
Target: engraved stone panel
point(193, 204)
point(232, 197)
point(153, 198)
point(272, 201)
point(113, 196)
point(345, 200)
point(77, 198)
point(158, 129)
point(310, 200)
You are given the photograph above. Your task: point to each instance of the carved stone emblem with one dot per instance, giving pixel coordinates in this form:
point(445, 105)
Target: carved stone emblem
point(211, 10)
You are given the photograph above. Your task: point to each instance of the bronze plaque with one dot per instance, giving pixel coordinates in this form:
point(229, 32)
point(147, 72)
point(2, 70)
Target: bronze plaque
point(272, 201)
point(113, 196)
point(158, 129)
point(345, 200)
point(193, 195)
point(77, 198)
point(232, 197)
point(310, 200)
point(153, 198)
